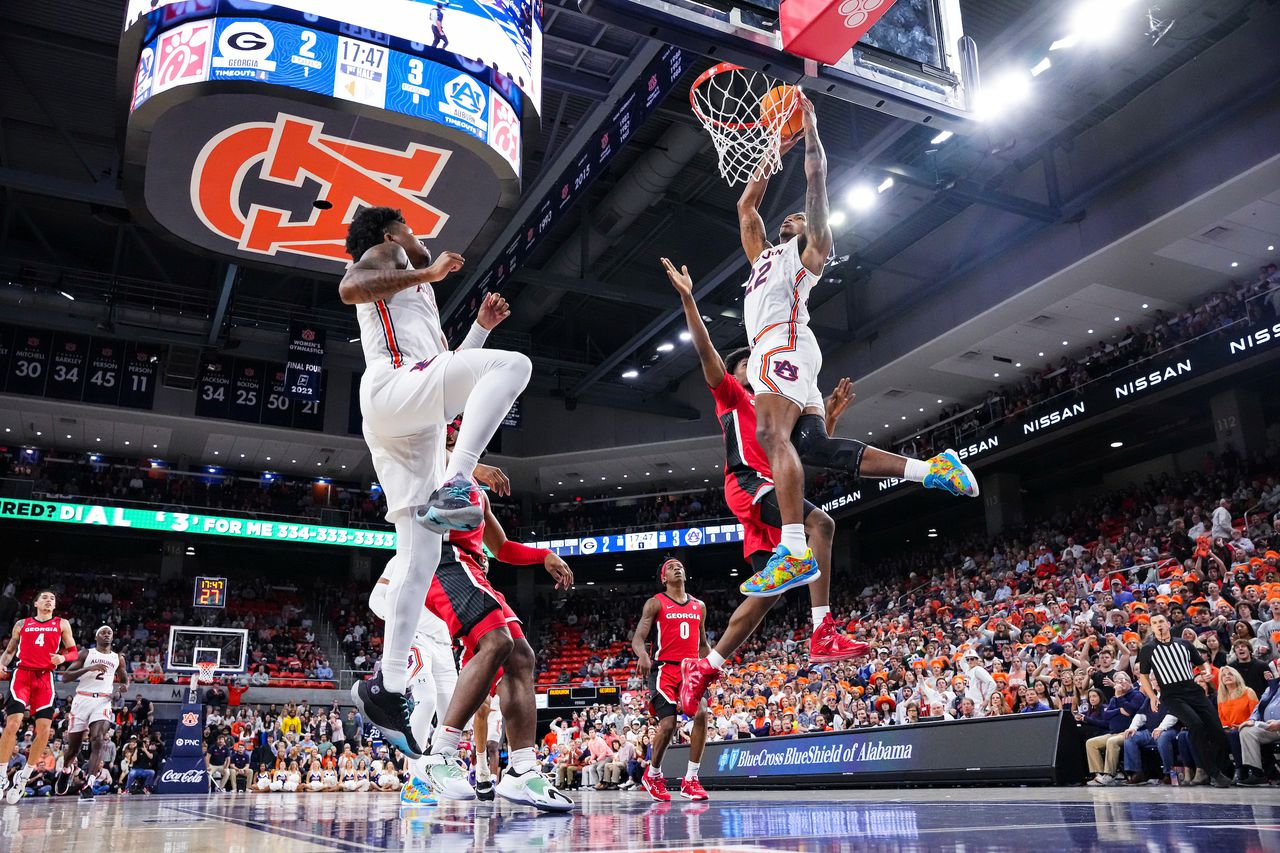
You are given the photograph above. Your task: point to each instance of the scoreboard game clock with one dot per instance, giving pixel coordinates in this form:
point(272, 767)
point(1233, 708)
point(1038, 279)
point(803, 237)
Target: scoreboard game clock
point(210, 592)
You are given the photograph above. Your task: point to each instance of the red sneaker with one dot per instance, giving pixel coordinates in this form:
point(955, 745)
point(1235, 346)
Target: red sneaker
point(656, 786)
point(696, 675)
point(691, 789)
point(828, 645)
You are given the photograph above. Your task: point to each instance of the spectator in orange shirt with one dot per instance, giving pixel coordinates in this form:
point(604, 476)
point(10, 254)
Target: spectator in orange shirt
point(1236, 702)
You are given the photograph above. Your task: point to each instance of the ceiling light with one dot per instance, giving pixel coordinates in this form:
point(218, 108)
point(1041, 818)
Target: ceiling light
point(591, 583)
point(581, 480)
point(666, 346)
point(1064, 343)
point(631, 373)
point(241, 455)
point(1116, 444)
point(1041, 67)
point(933, 536)
point(884, 185)
point(904, 417)
point(1042, 355)
point(619, 488)
point(836, 218)
point(294, 461)
point(211, 470)
point(669, 471)
point(1064, 43)
point(66, 295)
point(559, 482)
point(344, 467)
point(156, 446)
point(1235, 264)
point(996, 375)
point(1145, 305)
point(1017, 364)
point(1117, 319)
point(868, 432)
point(353, 340)
point(1097, 20)
point(646, 473)
point(941, 137)
point(68, 435)
point(317, 464)
point(886, 426)
point(1271, 248)
point(685, 336)
point(939, 402)
point(215, 453)
point(922, 408)
point(862, 197)
point(268, 458)
point(691, 468)
point(625, 476)
point(98, 439)
point(618, 568)
point(38, 432)
point(602, 478)
point(1003, 92)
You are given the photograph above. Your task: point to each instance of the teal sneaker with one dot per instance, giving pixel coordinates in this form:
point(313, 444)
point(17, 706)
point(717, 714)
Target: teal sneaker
point(783, 572)
point(416, 792)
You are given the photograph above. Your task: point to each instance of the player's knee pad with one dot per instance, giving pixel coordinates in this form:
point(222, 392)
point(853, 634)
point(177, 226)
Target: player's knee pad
point(816, 448)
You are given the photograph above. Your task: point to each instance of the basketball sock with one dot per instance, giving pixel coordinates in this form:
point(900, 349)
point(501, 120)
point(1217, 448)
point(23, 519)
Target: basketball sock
point(523, 760)
point(692, 772)
point(715, 659)
point(446, 740)
point(482, 769)
point(653, 771)
point(793, 538)
point(482, 385)
point(917, 470)
point(820, 613)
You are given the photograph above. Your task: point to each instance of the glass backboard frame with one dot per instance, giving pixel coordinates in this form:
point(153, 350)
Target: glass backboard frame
point(188, 644)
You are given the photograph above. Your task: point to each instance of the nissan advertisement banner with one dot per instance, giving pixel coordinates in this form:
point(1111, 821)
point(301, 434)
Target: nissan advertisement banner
point(1031, 747)
point(1178, 366)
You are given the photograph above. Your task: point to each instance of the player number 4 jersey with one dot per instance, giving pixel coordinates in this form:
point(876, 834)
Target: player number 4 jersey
point(679, 628)
point(38, 642)
point(777, 290)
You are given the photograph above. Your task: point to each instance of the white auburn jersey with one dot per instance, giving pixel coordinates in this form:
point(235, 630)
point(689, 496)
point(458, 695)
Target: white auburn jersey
point(99, 682)
point(403, 329)
point(777, 290)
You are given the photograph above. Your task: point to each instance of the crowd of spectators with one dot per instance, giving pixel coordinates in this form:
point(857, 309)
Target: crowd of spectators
point(1247, 302)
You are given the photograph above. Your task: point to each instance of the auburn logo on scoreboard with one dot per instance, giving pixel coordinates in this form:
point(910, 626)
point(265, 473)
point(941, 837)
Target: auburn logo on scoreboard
point(296, 152)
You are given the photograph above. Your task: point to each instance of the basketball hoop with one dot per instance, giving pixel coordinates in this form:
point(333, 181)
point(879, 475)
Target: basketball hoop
point(204, 674)
point(730, 102)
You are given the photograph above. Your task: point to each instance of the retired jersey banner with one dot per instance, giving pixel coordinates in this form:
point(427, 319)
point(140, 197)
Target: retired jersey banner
point(303, 370)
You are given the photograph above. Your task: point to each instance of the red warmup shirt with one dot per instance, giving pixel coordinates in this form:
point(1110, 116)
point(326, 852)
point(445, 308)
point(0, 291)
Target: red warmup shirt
point(38, 642)
point(744, 457)
point(679, 628)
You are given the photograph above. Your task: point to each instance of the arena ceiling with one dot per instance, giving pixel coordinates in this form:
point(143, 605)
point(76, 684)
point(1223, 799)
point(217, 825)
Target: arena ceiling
point(953, 208)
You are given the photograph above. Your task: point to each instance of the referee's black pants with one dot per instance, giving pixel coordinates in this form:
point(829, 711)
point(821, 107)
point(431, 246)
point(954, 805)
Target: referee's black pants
point(1194, 710)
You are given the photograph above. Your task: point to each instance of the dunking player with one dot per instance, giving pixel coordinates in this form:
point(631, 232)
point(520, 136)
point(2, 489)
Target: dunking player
point(36, 642)
point(412, 386)
point(681, 622)
point(749, 491)
point(785, 360)
point(100, 672)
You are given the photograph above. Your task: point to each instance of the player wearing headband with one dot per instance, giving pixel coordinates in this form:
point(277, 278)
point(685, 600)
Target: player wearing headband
point(680, 620)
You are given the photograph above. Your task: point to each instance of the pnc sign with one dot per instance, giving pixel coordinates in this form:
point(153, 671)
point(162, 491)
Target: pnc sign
point(347, 175)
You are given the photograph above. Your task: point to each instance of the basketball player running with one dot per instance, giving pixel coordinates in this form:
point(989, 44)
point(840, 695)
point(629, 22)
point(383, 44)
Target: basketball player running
point(494, 651)
point(749, 491)
point(412, 386)
point(680, 620)
point(785, 361)
point(103, 676)
point(36, 642)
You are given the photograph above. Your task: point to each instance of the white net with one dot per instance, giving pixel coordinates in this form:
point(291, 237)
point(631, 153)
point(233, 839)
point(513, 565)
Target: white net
point(745, 112)
point(204, 671)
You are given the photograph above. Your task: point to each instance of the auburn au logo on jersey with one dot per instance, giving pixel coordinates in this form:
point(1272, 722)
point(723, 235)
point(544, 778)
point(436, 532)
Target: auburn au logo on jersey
point(295, 151)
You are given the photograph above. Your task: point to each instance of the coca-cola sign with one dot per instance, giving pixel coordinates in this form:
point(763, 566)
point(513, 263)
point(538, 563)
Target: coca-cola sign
point(173, 777)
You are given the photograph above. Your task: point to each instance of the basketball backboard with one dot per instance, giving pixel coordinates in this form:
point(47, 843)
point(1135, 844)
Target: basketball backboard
point(915, 63)
point(189, 645)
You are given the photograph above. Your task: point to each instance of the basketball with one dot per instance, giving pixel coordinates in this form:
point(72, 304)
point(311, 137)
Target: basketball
point(780, 106)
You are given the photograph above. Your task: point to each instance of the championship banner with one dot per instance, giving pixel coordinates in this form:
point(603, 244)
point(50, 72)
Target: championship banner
point(303, 370)
point(1179, 366)
point(1044, 747)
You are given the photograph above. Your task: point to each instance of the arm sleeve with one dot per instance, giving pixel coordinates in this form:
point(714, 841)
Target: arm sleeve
point(1167, 723)
point(476, 336)
point(1139, 720)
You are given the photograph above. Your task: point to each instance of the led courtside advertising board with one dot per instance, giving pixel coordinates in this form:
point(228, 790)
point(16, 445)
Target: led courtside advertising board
point(256, 130)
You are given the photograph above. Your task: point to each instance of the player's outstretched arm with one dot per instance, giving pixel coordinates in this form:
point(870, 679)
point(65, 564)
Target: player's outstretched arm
point(817, 227)
point(384, 271)
point(493, 310)
point(643, 627)
point(712, 364)
point(750, 223)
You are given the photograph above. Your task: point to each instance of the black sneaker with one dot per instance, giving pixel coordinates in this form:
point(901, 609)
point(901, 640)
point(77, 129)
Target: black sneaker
point(1252, 779)
point(453, 506)
point(1221, 780)
point(484, 790)
point(387, 710)
point(62, 784)
point(86, 793)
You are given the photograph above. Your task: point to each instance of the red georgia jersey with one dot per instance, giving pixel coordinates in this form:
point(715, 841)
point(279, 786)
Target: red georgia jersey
point(38, 641)
point(736, 411)
point(679, 628)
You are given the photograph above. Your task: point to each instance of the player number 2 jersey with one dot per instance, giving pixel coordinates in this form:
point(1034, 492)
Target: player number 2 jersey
point(777, 290)
point(679, 628)
point(401, 330)
point(99, 682)
point(38, 642)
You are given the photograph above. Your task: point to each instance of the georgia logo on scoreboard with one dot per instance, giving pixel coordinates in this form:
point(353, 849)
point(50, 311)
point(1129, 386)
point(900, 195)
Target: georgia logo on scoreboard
point(245, 44)
point(292, 150)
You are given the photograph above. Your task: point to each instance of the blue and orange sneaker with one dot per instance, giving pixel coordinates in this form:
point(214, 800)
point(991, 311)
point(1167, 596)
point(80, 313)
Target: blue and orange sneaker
point(948, 473)
point(416, 793)
point(781, 573)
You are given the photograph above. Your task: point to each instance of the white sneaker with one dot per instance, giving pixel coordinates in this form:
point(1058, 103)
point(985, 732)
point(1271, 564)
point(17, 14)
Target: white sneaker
point(531, 789)
point(1102, 780)
point(19, 788)
point(447, 778)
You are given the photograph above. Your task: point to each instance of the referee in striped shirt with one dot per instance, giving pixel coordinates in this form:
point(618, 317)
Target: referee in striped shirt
point(1172, 664)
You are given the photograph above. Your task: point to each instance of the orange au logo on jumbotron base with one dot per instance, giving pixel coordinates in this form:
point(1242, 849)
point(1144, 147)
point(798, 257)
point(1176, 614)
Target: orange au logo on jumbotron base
point(294, 151)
